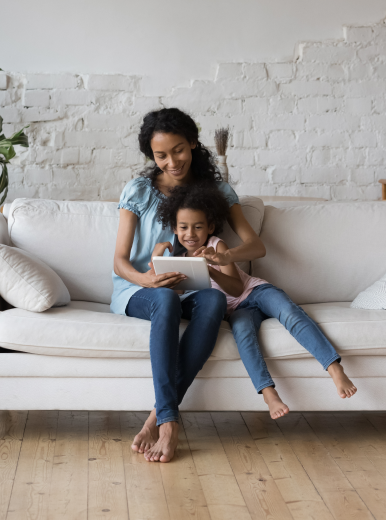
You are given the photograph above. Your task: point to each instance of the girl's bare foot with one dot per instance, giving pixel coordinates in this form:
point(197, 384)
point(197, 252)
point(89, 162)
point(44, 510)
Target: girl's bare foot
point(343, 384)
point(148, 436)
point(163, 450)
point(276, 406)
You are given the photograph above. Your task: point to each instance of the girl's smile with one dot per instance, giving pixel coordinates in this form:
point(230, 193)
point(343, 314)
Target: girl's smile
point(192, 229)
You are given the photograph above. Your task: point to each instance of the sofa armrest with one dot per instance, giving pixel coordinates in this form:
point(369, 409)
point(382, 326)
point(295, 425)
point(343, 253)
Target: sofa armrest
point(4, 237)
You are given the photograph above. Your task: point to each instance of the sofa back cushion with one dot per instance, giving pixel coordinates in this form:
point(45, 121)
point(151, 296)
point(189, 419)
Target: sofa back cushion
point(77, 240)
point(324, 252)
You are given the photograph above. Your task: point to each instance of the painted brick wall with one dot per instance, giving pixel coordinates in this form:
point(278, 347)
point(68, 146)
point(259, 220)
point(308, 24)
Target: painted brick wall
point(312, 127)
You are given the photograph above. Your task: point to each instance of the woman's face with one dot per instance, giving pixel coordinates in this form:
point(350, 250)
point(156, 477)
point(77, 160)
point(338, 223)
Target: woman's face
point(173, 155)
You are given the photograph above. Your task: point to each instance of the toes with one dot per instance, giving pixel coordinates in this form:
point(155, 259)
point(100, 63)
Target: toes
point(148, 455)
point(165, 458)
point(134, 447)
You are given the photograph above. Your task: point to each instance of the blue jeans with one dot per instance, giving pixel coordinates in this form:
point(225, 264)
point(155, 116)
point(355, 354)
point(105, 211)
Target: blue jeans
point(267, 301)
point(176, 363)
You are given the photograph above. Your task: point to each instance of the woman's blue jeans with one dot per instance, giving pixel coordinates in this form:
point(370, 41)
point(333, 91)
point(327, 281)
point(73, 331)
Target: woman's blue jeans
point(175, 363)
point(267, 301)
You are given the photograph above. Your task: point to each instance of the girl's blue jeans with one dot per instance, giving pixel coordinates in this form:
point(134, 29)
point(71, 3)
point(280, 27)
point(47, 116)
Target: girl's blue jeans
point(267, 301)
point(174, 362)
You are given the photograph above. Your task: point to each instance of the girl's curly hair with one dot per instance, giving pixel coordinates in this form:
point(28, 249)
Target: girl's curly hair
point(174, 121)
point(203, 197)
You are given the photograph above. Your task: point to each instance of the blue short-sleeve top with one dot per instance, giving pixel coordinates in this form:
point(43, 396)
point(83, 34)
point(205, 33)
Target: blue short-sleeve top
point(140, 197)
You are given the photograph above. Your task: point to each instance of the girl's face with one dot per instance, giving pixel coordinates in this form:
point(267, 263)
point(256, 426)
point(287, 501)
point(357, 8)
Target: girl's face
point(192, 229)
point(173, 155)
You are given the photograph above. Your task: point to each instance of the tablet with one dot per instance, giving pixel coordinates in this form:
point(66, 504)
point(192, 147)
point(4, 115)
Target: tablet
point(196, 269)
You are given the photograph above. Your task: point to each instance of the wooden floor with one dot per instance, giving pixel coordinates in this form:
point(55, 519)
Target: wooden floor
point(229, 466)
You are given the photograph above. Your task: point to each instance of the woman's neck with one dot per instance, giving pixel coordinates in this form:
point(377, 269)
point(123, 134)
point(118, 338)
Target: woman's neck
point(166, 182)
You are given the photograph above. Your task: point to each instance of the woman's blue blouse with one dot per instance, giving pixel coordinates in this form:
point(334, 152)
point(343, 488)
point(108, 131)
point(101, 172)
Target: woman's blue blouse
point(140, 197)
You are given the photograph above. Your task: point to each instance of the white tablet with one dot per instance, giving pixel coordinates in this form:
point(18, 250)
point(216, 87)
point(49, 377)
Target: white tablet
point(196, 269)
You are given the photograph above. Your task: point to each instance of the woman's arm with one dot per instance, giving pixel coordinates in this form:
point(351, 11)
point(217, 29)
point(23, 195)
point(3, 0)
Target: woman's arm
point(122, 265)
point(251, 248)
point(228, 278)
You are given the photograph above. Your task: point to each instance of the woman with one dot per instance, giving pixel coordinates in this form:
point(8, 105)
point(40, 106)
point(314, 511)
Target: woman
point(169, 137)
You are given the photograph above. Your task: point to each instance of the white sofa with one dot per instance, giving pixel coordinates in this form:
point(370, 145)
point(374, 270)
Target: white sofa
point(83, 357)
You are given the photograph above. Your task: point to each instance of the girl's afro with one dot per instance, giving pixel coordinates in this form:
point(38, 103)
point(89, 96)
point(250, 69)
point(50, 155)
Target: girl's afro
point(204, 197)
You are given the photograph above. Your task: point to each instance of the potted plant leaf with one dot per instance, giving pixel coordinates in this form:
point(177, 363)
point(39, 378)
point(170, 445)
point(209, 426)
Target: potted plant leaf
point(7, 152)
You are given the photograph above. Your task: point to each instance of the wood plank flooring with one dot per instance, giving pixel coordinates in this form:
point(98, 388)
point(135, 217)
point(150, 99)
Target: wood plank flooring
point(79, 466)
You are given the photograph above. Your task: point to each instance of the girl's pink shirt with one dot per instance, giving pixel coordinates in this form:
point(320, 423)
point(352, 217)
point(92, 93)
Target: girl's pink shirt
point(249, 282)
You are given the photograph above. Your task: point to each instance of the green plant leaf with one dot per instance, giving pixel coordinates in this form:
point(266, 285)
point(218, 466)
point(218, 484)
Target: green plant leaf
point(4, 183)
point(7, 152)
point(4, 196)
point(19, 138)
point(7, 149)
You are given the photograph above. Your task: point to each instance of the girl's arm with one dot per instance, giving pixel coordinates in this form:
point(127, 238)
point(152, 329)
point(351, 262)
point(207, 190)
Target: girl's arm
point(251, 248)
point(228, 278)
point(122, 265)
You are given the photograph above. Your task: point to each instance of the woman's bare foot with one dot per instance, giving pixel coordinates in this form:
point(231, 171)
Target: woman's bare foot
point(343, 384)
point(163, 450)
point(148, 436)
point(276, 406)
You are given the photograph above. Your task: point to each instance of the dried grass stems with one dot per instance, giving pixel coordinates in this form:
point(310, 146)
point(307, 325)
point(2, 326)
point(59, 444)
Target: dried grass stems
point(221, 139)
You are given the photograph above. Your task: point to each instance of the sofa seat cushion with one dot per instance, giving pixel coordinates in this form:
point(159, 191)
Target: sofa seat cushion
point(84, 329)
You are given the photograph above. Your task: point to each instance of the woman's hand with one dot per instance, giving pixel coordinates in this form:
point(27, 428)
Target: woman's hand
point(151, 280)
point(212, 257)
point(159, 249)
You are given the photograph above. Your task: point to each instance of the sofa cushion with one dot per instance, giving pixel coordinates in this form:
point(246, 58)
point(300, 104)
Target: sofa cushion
point(28, 283)
point(87, 329)
point(324, 252)
point(77, 240)
point(374, 297)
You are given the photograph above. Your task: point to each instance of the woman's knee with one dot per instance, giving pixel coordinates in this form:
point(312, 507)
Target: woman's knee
point(213, 301)
point(217, 299)
point(166, 300)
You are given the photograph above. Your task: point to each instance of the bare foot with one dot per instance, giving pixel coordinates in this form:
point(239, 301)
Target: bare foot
point(148, 436)
point(343, 384)
point(163, 450)
point(276, 406)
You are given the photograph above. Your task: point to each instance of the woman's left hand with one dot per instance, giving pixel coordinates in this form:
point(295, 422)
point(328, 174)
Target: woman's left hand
point(212, 257)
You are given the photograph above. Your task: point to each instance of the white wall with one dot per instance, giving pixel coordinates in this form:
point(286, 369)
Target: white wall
point(313, 126)
point(169, 41)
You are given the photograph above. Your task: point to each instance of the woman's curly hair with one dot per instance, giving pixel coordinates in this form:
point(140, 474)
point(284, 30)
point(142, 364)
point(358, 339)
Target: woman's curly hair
point(203, 197)
point(174, 121)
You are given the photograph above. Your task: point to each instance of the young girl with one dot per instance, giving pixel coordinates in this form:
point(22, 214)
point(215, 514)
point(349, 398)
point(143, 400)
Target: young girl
point(196, 215)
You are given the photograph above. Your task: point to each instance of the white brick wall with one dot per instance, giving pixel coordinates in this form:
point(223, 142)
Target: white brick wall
point(315, 126)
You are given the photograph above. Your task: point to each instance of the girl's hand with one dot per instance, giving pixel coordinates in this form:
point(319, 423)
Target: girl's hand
point(151, 280)
point(212, 257)
point(159, 249)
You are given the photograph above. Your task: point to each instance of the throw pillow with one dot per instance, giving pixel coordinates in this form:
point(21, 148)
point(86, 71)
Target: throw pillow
point(374, 297)
point(28, 283)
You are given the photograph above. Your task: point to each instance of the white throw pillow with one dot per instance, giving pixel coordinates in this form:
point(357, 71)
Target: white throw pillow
point(28, 283)
point(374, 297)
